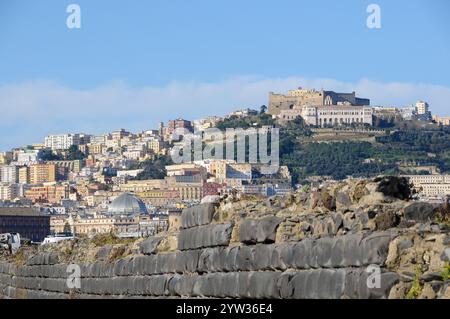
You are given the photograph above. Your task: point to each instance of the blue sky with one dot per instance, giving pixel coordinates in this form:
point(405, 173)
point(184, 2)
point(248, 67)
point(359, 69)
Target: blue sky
point(134, 63)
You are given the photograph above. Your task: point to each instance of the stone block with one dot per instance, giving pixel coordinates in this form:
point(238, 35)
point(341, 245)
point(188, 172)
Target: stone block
point(262, 230)
point(205, 236)
point(197, 215)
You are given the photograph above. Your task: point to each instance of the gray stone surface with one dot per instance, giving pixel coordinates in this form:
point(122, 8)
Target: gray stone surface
point(149, 245)
point(262, 230)
point(205, 236)
point(420, 212)
point(197, 215)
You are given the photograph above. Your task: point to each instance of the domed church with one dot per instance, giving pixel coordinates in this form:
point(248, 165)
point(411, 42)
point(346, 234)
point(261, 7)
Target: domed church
point(127, 204)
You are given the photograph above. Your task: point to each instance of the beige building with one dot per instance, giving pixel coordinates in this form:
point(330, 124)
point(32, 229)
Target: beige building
point(301, 97)
point(42, 173)
point(422, 107)
point(48, 194)
point(144, 225)
point(162, 190)
point(156, 146)
point(418, 180)
point(10, 191)
point(136, 186)
point(436, 189)
point(443, 120)
point(24, 175)
point(94, 149)
point(78, 225)
point(73, 166)
point(159, 197)
point(5, 158)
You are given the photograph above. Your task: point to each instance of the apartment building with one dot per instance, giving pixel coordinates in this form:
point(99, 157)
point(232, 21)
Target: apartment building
point(48, 194)
point(10, 191)
point(9, 174)
point(42, 173)
point(62, 141)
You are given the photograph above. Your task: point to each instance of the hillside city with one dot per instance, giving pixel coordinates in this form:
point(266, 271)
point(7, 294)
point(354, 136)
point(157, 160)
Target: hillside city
point(126, 183)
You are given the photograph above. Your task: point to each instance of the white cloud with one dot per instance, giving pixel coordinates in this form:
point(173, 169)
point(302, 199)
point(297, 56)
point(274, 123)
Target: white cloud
point(31, 110)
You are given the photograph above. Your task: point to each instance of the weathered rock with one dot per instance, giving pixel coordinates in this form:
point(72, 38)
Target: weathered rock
point(343, 200)
point(211, 199)
point(420, 212)
point(205, 236)
point(386, 220)
point(262, 230)
point(149, 246)
point(197, 215)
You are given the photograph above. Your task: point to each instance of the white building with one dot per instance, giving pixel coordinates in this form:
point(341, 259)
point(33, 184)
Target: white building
point(100, 139)
point(26, 157)
point(11, 191)
point(62, 141)
point(9, 174)
point(330, 115)
point(422, 107)
point(431, 185)
point(408, 113)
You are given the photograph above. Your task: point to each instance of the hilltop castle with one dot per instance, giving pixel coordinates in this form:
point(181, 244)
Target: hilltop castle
point(320, 107)
point(301, 97)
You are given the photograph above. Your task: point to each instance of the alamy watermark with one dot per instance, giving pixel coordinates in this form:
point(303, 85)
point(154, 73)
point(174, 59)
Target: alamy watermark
point(374, 278)
point(73, 276)
point(73, 20)
point(374, 19)
point(239, 145)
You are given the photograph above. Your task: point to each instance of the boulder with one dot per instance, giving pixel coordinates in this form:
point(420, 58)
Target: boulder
point(420, 212)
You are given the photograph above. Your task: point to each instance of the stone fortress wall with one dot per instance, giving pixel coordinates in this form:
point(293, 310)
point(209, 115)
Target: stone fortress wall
point(302, 97)
point(319, 244)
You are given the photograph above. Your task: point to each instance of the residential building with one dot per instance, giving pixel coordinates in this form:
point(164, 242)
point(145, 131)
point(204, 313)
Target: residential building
point(119, 134)
point(52, 194)
point(11, 191)
point(185, 169)
point(78, 225)
point(9, 174)
point(423, 111)
point(72, 166)
point(5, 158)
point(95, 149)
point(159, 197)
point(42, 173)
point(172, 125)
point(156, 145)
point(422, 107)
point(28, 156)
point(62, 141)
point(443, 120)
point(243, 113)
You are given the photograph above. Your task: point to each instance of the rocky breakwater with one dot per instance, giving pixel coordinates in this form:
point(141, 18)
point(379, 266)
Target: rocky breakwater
point(355, 239)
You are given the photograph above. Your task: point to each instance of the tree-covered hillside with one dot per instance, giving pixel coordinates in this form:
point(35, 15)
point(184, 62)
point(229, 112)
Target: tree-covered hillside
point(304, 157)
